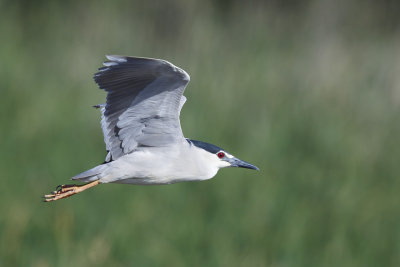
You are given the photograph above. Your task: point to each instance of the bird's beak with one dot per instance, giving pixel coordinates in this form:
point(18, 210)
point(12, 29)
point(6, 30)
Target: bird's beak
point(235, 162)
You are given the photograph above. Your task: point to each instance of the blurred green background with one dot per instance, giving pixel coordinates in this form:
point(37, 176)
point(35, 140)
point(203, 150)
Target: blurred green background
point(309, 91)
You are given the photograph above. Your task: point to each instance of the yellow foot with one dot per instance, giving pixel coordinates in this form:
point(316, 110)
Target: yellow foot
point(64, 191)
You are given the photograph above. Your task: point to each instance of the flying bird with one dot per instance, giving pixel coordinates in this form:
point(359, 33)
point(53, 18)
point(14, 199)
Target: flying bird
point(142, 132)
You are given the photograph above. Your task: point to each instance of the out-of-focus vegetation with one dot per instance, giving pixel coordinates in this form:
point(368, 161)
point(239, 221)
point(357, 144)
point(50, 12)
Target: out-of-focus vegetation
point(309, 91)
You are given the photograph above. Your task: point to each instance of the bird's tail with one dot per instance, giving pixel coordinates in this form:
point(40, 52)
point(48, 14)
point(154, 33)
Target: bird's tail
point(90, 175)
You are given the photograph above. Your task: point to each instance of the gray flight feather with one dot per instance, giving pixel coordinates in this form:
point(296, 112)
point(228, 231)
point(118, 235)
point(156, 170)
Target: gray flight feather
point(144, 99)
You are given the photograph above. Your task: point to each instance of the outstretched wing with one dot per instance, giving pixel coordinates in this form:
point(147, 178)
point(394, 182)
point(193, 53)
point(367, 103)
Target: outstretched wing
point(144, 98)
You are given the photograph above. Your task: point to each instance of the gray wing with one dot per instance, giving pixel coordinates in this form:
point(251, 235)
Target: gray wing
point(104, 128)
point(144, 99)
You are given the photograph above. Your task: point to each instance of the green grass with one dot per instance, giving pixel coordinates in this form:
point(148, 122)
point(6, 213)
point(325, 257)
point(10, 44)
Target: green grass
point(309, 94)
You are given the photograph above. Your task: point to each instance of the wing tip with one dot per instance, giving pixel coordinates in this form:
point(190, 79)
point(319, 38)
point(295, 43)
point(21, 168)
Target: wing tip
point(116, 58)
point(186, 76)
point(99, 106)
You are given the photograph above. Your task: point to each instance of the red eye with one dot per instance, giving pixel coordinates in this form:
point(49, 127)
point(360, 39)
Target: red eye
point(220, 155)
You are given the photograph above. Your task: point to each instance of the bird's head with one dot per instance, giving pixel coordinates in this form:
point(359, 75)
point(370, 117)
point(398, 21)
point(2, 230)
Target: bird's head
point(220, 157)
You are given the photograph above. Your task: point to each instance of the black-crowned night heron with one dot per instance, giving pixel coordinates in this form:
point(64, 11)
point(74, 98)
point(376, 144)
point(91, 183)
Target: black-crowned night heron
point(140, 122)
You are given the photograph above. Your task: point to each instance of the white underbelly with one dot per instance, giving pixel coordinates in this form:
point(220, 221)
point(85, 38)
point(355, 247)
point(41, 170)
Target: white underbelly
point(152, 181)
point(144, 168)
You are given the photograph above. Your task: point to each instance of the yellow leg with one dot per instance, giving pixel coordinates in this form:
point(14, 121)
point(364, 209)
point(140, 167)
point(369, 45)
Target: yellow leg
point(64, 191)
